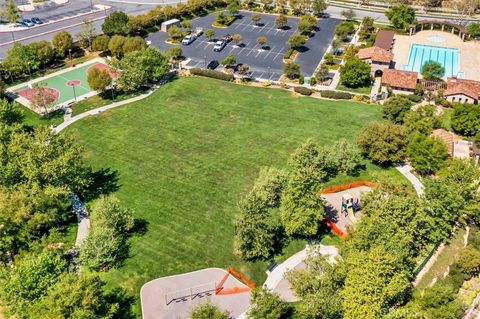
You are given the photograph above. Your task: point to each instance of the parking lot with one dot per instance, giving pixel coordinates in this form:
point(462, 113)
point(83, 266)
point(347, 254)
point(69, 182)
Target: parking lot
point(265, 64)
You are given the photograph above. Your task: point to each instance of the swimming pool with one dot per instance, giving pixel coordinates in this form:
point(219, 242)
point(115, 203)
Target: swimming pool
point(447, 57)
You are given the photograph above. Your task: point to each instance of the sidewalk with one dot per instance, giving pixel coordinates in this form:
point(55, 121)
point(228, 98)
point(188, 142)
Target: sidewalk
point(405, 170)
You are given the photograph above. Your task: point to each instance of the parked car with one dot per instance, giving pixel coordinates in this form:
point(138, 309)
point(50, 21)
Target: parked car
point(213, 65)
point(188, 39)
point(37, 20)
point(27, 23)
point(192, 36)
point(227, 38)
point(219, 45)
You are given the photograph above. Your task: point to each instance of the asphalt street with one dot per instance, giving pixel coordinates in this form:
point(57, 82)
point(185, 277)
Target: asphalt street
point(265, 63)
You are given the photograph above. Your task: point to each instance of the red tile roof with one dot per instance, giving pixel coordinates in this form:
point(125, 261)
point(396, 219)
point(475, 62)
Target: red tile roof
point(400, 79)
point(376, 54)
point(466, 87)
point(447, 137)
point(384, 39)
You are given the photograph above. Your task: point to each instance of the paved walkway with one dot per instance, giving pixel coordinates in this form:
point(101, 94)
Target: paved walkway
point(68, 119)
point(82, 219)
point(405, 170)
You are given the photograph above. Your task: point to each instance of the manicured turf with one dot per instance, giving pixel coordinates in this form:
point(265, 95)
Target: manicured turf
point(185, 156)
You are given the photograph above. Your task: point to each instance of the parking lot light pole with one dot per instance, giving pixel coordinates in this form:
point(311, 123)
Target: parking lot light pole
point(205, 62)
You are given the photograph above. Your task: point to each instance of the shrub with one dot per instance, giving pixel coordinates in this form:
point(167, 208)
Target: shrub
point(469, 261)
point(415, 98)
point(303, 90)
point(336, 95)
point(292, 70)
point(301, 79)
point(313, 81)
point(212, 74)
point(288, 53)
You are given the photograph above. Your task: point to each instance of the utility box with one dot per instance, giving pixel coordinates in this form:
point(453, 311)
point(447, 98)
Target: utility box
point(170, 23)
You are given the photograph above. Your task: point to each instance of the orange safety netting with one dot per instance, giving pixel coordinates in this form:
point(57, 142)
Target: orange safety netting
point(337, 231)
point(343, 187)
point(219, 290)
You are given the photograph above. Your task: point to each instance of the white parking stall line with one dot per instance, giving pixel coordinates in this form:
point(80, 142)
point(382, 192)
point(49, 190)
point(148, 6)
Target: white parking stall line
point(259, 51)
point(245, 47)
point(269, 52)
point(246, 26)
point(252, 49)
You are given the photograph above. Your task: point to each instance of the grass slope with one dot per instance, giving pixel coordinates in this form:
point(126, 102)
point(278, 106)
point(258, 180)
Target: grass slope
point(185, 156)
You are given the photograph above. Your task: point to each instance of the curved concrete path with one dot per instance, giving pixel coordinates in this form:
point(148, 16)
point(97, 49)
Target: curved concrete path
point(406, 170)
point(82, 219)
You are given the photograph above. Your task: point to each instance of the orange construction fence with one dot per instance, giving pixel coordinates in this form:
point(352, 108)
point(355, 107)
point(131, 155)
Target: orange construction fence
point(337, 231)
point(219, 290)
point(344, 187)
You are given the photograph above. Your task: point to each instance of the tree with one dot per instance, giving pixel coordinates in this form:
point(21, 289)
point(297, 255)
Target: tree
point(79, 296)
point(307, 24)
point(86, 34)
point(221, 18)
point(465, 8)
point(262, 41)
point(244, 70)
point(346, 157)
point(348, 14)
point(30, 280)
point(427, 154)
point(432, 70)
point(466, 119)
point(99, 80)
point(116, 45)
point(175, 33)
point(9, 114)
point(474, 29)
point(62, 42)
point(281, 21)
point(208, 311)
point(175, 53)
point(134, 44)
point(256, 18)
point(372, 284)
point(296, 40)
point(469, 260)
point(100, 43)
point(116, 23)
point(319, 6)
point(233, 8)
point(345, 29)
point(229, 61)
point(187, 24)
point(355, 73)
point(105, 245)
point(396, 107)
point(401, 16)
point(267, 305)
point(21, 59)
point(236, 38)
point(210, 33)
point(140, 67)
point(43, 98)
point(322, 72)
point(320, 280)
point(423, 120)
point(43, 51)
point(383, 142)
point(10, 11)
point(292, 70)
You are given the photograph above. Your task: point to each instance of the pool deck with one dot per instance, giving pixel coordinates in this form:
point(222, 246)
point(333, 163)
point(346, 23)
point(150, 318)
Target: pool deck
point(468, 51)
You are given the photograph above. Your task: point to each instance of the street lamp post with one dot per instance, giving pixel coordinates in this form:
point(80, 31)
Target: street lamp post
point(205, 62)
point(13, 37)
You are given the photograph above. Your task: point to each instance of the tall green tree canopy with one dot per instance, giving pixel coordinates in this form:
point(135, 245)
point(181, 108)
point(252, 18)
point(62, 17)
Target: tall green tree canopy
point(116, 23)
point(62, 42)
point(466, 119)
point(427, 154)
point(396, 107)
point(401, 16)
point(355, 73)
point(432, 70)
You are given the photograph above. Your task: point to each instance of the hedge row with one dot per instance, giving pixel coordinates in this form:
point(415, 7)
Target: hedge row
point(336, 95)
point(303, 90)
point(212, 74)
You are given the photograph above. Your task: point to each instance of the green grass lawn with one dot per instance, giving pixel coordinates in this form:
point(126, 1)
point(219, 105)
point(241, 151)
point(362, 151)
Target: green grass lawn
point(33, 119)
point(360, 90)
point(185, 156)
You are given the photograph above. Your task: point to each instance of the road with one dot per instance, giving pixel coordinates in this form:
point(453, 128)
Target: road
point(73, 23)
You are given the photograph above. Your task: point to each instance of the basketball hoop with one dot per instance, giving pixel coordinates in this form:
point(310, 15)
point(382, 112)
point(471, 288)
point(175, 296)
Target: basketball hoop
point(73, 84)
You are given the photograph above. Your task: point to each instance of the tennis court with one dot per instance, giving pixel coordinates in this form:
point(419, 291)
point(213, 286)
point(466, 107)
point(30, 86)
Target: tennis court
point(66, 85)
